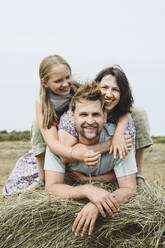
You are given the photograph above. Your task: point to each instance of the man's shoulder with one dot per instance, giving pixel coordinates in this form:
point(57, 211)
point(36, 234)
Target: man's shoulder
point(107, 131)
point(53, 162)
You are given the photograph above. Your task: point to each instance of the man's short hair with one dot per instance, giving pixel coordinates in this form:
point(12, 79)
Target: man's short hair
point(89, 91)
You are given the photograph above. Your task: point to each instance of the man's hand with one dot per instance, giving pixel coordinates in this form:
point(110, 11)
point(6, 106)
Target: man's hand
point(103, 200)
point(85, 219)
point(121, 144)
point(79, 177)
point(76, 176)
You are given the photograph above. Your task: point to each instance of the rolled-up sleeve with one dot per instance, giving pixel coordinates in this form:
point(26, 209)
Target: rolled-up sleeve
point(127, 166)
point(53, 162)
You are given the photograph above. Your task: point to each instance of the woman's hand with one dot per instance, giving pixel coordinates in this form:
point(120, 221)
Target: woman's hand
point(122, 144)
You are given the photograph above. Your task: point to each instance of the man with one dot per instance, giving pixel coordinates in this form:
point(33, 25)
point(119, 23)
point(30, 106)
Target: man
point(88, 117)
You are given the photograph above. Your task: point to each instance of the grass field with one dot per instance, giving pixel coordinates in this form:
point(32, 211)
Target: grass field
point(153, 167)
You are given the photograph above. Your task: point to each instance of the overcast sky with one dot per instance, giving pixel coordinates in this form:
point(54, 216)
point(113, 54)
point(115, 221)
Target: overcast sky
point(90, 35)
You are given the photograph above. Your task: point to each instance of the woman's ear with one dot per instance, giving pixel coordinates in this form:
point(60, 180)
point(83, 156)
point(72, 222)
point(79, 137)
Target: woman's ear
point(43, 83)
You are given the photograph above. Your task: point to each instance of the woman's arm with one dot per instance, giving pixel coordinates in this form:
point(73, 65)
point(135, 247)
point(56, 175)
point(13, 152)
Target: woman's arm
point(118, 140)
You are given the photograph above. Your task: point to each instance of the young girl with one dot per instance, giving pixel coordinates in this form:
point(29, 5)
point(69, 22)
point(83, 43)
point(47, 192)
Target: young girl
point(56, 90)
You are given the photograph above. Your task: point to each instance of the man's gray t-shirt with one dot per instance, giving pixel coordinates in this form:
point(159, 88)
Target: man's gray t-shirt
point(106, 163)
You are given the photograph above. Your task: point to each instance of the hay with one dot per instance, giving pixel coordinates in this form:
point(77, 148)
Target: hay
point(31, 220)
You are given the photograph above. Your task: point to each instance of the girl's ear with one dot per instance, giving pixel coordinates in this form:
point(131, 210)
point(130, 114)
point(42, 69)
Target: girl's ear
point(43, 83)
point(72, 117)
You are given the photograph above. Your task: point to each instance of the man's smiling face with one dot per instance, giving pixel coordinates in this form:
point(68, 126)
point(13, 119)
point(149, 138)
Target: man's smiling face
point(88, 119)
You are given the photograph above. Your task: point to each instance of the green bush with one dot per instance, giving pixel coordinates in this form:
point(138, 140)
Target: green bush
point(15, 135)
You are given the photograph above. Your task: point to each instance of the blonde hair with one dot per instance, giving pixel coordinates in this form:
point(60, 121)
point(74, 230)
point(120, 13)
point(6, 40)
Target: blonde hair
point(45, 70)
point(89, 91)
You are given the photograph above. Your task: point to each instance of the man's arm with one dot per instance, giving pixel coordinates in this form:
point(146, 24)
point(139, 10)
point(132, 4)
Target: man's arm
point(100, 197)
point(87, 216)
point(127, 188)
point(125, 171)
point(79, 177)
point(54, 178)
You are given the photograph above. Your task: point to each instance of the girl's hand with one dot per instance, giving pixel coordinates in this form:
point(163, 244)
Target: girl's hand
point(91, 158)
point(121, 144)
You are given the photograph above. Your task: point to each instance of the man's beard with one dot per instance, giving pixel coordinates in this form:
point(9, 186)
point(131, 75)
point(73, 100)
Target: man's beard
point(87, 134)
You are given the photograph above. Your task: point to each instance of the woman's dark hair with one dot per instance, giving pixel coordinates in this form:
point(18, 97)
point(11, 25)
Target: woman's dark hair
point(126, 98)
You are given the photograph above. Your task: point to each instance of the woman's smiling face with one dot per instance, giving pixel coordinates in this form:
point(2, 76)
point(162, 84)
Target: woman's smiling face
point(110, 91)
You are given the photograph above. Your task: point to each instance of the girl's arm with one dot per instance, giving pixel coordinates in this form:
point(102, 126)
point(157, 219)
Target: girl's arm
point(61, 149)
point(50, 135)
point(118, 140)
point(71, 141)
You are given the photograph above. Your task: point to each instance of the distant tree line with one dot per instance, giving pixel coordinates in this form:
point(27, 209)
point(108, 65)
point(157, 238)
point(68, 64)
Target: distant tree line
point(158, 139)
point(25, 136)
point(15, 135)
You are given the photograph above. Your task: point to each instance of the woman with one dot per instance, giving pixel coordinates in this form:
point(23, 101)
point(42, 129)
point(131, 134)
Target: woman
point(116, 91)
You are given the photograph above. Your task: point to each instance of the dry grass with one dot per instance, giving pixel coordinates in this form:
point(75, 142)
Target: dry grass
point(31, 220)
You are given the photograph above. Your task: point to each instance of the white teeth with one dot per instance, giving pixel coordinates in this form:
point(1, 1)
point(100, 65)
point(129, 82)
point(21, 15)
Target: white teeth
point(66, 89)
point(109, 101)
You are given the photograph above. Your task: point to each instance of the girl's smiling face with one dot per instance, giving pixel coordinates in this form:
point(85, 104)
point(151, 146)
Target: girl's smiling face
point(60, 80)
point(110, 91)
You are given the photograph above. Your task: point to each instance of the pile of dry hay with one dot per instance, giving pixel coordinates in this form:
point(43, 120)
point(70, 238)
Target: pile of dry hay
point(31, 220)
